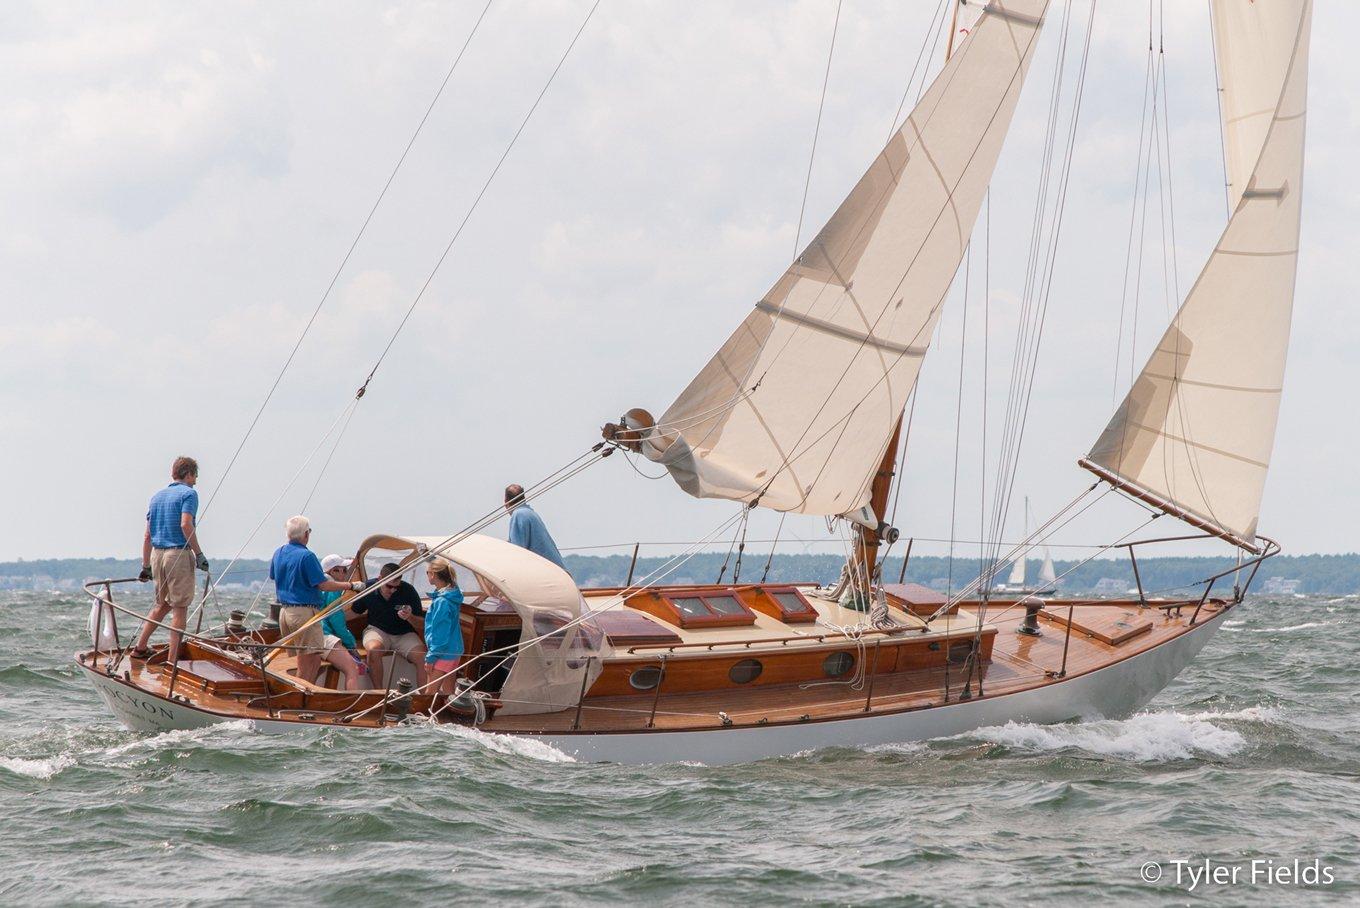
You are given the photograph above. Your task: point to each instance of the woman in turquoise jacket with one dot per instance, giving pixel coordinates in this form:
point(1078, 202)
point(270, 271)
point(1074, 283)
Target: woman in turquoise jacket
point(443, 627)
point(341, 648)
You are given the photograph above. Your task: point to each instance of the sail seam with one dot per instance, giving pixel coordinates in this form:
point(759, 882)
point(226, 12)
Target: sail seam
point(810, 321)
point(1196, 444)
point(1253, 254)
point(1216, 385)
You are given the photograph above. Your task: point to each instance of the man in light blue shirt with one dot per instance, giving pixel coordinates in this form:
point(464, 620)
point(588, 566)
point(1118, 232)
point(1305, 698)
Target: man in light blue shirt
point(170, 551)
point(527, 529)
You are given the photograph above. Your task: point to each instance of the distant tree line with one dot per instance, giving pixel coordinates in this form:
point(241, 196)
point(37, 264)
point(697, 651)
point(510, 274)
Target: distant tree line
point(1336, 575)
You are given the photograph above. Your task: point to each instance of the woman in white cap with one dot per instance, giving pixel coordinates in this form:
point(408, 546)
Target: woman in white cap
point(340, 645)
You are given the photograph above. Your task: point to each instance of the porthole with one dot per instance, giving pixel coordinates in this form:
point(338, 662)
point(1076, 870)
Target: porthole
point(645, 678)
point(838, 664)
point(745, 671)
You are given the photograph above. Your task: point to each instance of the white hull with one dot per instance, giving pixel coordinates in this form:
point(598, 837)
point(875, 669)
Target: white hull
point(1111, 692)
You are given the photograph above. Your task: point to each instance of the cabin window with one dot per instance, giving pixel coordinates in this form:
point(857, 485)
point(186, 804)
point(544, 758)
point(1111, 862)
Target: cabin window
point(692, 606)
point(784, 603)
point(697, 610)
point(645, 678)
point(726, 605)
point(838, 664)
point(745, 671)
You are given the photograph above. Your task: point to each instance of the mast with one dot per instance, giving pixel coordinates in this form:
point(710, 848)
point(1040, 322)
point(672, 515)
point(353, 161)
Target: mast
point(864, 561)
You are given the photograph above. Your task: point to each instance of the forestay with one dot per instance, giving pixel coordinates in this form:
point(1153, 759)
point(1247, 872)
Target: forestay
point(797, 408)
point(1195, 432)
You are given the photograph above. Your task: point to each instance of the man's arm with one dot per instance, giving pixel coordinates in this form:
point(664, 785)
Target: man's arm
point(145, 574)
point(518, 536)
point(186, 525)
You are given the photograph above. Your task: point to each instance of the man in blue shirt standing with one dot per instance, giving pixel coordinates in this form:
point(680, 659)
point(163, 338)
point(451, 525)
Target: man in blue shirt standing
point(170, 550)
point(527, 529)
point(299, 582)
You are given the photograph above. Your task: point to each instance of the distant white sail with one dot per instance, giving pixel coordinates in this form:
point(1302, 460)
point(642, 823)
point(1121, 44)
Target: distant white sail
point(798, 406)
point(1195, 433)
point(1047, 575)
point(1017, 577)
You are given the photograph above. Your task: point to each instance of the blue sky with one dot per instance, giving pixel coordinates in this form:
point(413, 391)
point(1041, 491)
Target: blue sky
point(181, 180)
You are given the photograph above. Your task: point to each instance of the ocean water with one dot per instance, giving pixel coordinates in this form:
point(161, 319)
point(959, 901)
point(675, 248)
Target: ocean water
point(1252, 755)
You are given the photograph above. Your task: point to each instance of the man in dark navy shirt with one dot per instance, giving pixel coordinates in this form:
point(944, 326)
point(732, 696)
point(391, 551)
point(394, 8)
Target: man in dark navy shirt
point(396, 623)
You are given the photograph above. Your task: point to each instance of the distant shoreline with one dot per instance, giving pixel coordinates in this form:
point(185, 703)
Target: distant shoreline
point(1335, 575)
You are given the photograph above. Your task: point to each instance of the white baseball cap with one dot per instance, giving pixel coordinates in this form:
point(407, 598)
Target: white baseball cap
point(331, 562)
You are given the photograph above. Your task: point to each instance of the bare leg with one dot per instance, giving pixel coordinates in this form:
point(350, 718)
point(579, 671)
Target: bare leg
point(341, 659)
point(157, 613)
point(308, 664)
point(417, 658)
point(375, 665)
point(178, 618)
point(445, 684)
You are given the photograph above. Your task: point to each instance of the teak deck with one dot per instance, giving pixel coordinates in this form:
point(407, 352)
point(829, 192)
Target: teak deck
point(700, 688)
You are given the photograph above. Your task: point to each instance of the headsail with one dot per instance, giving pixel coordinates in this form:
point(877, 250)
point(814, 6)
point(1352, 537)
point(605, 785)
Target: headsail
point(1195, 432)
point(798, 407)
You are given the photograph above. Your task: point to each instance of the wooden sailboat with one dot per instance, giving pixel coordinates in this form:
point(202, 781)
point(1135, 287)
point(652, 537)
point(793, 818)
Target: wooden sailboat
point(801, 411)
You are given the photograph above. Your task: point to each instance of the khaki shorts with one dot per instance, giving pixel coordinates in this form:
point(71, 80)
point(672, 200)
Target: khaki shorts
point(402, 645)
point(292, 617)
point(173, 571)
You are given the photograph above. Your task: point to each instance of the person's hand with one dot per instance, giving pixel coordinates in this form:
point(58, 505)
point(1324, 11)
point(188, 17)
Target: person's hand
point(202, 563)
point(404, 612)
point(356, 586)
point(145, 575)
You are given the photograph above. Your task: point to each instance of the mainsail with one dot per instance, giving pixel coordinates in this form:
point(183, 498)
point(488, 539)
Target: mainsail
point(1194, 435)
point(797, 409)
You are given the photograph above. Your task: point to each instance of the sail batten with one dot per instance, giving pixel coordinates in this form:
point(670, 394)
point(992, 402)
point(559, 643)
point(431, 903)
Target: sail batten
point(796, 409)
point(1195, 432)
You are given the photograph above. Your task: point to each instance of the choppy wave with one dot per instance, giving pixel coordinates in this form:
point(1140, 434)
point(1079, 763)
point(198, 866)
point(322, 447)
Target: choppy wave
point(511, 745)
point(1149, 737)
point(1307, 625)
point(41, 768)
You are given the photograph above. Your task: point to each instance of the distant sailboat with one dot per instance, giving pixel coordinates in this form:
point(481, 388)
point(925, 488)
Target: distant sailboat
point(801, 410)
point(1048, 577)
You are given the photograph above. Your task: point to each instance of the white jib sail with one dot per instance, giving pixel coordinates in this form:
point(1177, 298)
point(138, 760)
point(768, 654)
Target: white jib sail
point(1196, 430)
point(798, 406)
point(1047, 574)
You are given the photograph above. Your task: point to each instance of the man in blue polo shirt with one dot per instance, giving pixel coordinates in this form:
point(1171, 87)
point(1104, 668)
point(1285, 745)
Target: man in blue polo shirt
point(170, 550)
point(299, 582)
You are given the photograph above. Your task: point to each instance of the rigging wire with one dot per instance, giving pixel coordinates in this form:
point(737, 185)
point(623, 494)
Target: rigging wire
point(481, 193)
point(352, 405)
point(817, 130)
point(1038, 287)
point(1218, 97)
point(1133, 218)
point(932, 29)
point(958, 418)
point(345, 260)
